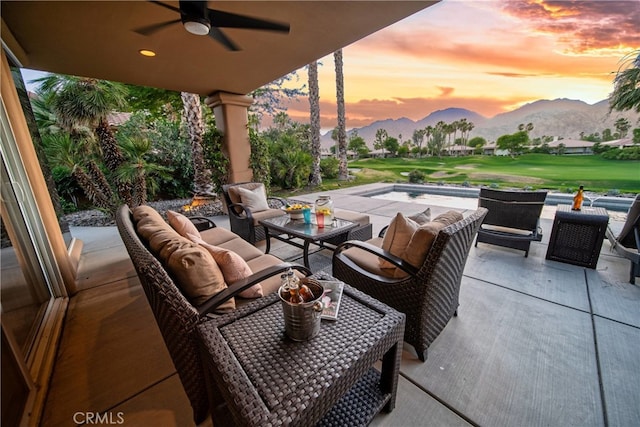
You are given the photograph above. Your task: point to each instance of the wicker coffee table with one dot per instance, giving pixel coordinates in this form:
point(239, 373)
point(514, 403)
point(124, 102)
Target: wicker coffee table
point(261, 377)
point(309, 233)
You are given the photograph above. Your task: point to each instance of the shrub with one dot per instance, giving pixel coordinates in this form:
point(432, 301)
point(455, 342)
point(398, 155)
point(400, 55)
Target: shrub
point(329, 167)
point(416, 176)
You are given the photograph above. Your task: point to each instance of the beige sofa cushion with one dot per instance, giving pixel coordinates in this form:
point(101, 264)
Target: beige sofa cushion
point(271, 284)
point(217, 235)
point(198, 275)
point(181, 224)
point(233, 267)
point(240, 246)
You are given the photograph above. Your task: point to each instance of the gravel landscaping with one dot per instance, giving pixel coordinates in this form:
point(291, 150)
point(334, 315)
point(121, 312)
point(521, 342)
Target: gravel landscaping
point(96, 218)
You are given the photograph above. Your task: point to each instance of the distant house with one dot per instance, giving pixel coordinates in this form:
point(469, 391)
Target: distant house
point(619, 143)
point(572, 146)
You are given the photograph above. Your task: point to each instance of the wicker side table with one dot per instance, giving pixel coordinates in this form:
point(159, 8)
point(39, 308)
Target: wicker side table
point(256, 376)
point(576, 236)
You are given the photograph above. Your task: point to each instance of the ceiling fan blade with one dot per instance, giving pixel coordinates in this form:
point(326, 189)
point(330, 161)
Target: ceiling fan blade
point(222, 19)
point(220, 37)
point(166, 6)
point(150, 29)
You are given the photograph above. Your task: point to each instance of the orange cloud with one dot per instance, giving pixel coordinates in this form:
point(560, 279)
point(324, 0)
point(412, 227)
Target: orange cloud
point(583, 25)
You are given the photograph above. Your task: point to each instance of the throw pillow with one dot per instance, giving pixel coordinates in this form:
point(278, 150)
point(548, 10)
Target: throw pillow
point(422, 217)
point(232, 265)
point(397, 237)
point(198, 275)
point(254, 200)
point(418, 247)
point(182, 224)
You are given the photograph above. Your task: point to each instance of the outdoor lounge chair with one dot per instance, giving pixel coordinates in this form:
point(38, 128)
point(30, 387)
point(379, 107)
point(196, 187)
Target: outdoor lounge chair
point(242, 218)
point(627, 244)
point(428, 294)
point(513, 220)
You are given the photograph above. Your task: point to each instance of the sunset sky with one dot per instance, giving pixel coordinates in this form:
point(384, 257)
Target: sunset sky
point(485, 56)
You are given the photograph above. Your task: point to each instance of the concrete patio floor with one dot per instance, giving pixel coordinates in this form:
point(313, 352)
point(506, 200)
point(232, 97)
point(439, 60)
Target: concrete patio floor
point(536, 342)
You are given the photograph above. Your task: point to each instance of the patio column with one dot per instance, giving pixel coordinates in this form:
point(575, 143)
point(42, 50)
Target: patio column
point(231, 115)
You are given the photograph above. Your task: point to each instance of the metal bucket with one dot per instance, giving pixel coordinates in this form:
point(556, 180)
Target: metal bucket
point(302, 321)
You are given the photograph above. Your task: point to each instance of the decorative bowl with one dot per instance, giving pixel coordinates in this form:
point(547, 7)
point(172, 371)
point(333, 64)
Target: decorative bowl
point(294, 212)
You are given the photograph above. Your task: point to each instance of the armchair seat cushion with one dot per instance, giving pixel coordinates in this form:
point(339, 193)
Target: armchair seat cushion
point(266, 214)
point(370, 262)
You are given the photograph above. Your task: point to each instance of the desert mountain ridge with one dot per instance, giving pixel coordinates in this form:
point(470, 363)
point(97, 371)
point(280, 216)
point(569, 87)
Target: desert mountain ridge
point(561, 118)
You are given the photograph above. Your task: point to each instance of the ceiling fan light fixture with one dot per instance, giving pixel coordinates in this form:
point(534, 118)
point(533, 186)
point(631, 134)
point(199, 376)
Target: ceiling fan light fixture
point(197, 28)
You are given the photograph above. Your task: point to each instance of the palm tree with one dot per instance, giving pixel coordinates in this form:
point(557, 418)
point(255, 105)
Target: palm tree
point(80, 101)
point(343, 171)
point(626, 91)
point(381, 137)
point(428, 131)
point(63, 150)
point(622, 125)
point(202, 183)
point(418, 139)
point(139, 171)
point(314, 111)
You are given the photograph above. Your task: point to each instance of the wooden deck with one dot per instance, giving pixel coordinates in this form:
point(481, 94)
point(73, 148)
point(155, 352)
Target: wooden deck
point(536, 342)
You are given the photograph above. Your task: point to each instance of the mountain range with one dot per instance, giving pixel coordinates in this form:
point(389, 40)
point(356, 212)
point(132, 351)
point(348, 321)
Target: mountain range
point(561, 118)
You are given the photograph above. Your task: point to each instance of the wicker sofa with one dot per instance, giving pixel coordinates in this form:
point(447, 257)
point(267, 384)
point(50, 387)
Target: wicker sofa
point(176, 315)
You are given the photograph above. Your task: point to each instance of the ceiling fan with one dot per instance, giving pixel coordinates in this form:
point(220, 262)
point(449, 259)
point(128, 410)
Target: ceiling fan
point(200, 20)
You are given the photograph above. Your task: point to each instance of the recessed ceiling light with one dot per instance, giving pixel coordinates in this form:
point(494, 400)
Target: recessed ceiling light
point(147, 52)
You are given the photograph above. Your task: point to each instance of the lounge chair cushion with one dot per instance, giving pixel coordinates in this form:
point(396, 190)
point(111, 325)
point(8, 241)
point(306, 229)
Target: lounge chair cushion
point(255, 200)
point(397, 237)
point(198, 275)
point(266, 214)
point(233, 267)
point(234, 193)
point(416, 251)
point(422, 217)
point(182, 224)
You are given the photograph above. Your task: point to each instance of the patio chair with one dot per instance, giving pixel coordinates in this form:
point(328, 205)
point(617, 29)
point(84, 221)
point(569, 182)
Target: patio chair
point(243, 217)
point(427, 294)
point(513, 220)
point(627, 244)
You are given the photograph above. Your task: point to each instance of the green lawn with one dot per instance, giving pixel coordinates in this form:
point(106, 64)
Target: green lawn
point(560, 173)
point(537, 171)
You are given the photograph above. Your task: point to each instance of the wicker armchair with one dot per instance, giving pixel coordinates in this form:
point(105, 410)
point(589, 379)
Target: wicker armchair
point(627, 244)
point(513, 220)
point(176, 317)
point(243, 221)
point(428, 295)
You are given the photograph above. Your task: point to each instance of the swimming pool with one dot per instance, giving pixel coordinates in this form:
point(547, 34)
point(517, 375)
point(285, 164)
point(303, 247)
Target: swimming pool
point(467, 198)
